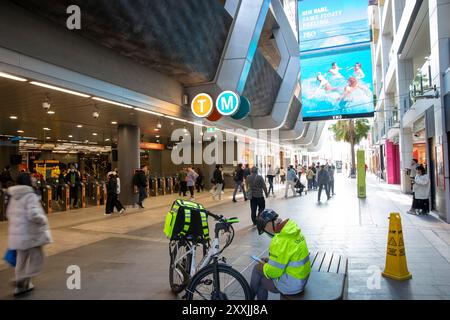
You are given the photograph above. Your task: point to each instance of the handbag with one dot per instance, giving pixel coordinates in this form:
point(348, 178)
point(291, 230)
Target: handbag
point(11, 257)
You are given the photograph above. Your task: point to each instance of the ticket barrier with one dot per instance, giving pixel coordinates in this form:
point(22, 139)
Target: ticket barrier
point(93, 193)
point(153, 187)
point(82, 195)
point(161, 186)
point(176, 185)
point(169, 185)
point(3, 204)
point(103, 194)
point(46, 198)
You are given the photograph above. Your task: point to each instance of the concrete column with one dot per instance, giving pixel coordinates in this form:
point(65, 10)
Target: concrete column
point(406, 150)
point(128, 161)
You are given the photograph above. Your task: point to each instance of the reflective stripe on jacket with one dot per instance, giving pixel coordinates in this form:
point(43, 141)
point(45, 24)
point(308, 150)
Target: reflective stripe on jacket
point(289, 263)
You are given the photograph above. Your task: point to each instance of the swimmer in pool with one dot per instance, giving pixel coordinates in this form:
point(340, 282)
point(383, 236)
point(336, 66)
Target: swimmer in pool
point(358, 72)
point(335, 70)
point(324, 83)
point(353, 85)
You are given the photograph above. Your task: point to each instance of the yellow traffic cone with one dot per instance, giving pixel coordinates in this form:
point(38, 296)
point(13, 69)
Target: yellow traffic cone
point(396, 266)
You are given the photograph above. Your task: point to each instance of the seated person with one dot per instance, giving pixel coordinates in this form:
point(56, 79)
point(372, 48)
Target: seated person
point(287, 269)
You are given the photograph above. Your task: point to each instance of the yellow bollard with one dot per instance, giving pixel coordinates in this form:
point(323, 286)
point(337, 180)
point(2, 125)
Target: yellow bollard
point(396, 266)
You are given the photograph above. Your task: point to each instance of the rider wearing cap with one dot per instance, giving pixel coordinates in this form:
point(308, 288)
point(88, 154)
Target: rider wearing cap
point(287, 269)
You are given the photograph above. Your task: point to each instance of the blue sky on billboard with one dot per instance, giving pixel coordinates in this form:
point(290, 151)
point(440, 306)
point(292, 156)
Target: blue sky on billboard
point(337, 83)
point(325, 23)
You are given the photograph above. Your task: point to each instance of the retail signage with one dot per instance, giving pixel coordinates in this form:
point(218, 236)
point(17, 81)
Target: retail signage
point(336, 59)
point(325, 24)
point(228, 103)
point(151, 146)
point(202, 105)
point(337, 85)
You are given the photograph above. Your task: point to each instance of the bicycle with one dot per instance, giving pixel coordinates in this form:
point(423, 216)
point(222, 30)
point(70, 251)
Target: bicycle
point(207, 281)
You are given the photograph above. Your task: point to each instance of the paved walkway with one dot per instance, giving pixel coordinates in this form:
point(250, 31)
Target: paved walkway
point(127, 257)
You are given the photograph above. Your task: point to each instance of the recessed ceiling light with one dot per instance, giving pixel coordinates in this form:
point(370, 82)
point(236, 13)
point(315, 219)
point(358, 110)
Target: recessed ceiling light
point(156, 129)
point(59, 89)
point(113, 122)
point(51, 112)
point(47, 129)
point(79, 126)
point(94, 133)
point(9, 76)
point(70, 136)
point(157, 136)
point(106, 139)
point(13, 117)
point(20, 131)
point(48, 138)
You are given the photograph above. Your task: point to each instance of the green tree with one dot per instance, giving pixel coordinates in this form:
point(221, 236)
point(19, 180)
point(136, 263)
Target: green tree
point(352, 132)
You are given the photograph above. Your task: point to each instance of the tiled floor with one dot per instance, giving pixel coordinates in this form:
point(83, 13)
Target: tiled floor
point(127, 257)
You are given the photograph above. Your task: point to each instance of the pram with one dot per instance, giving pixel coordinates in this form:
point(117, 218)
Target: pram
point(300, 187)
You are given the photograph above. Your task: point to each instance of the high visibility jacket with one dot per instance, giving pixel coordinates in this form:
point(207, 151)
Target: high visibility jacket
point(289, 263)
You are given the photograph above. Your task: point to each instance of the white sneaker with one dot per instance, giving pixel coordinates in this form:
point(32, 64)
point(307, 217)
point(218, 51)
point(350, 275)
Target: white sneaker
point(122, 211)
point(107, 214)
point(411, 212)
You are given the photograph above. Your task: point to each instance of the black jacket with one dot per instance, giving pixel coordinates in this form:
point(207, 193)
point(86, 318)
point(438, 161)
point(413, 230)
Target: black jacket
point(111, 185)
point(239, 174)
point(218, 176)
point(324, 177)
point(69, 179)
point(140, 179)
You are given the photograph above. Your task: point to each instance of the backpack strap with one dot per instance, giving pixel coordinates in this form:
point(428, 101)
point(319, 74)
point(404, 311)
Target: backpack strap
point(205, 228)
point(187, 221)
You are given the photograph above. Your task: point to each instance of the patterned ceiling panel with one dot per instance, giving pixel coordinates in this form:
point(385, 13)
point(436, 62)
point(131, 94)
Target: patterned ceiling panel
point(293, 115)
point(183, 39)
point(262, 86)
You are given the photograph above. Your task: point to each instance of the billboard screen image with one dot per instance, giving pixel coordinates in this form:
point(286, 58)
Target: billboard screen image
point(325, 24)
point(338, 84)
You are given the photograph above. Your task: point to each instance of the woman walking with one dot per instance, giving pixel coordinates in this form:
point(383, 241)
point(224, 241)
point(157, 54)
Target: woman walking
point(117, 202)
point(218, 179)
point(256, 190)
point(28, 232)
point(191, 178)
point(421, 190)
point(199, 181)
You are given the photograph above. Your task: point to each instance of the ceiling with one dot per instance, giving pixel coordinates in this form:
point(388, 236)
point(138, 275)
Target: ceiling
point(24, 100)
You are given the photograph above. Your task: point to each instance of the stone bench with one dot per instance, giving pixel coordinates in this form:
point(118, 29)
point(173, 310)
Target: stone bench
point(328, 279)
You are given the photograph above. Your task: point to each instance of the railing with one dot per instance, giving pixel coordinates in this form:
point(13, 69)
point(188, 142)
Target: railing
point(394, 119)
point(422, 83)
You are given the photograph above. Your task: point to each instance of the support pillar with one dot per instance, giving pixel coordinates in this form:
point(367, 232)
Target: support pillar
point(128, 160)
point(406, 150)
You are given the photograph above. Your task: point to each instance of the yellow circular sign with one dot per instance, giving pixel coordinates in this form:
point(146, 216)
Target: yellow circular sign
point(202, 105)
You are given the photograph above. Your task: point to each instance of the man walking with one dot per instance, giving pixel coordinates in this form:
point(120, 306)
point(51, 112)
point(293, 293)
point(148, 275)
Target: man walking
point(270, 177)
point(238, 182)
point(324, 181)
point(73, 180)
point(290, 182)
point(257, 189)
point(140, 180)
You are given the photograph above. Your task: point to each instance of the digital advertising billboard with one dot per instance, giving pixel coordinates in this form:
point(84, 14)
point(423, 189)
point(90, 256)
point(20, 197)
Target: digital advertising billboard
point(336, 59)
point(337, 85)
point(325, 23)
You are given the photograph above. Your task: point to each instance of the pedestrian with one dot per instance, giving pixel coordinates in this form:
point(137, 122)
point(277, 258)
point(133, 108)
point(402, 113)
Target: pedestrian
point(310, 177)
point(191, 177)
point(182, 176)
point(73, 180)
point(256, 191)
point(117, 202)
point(270, 177)
point(111, 193)
point(331, 171)
point(246, 174)
point(421, 188)
point(314, 182)
point(28, 232)
point(218, 180)
point(6, 179)
point(140, 181)
point(238, 182)
point(324, 181)
point(61, 183)
point(277, 175)
point(282, 175)
point(291, 180)
point(199, 180)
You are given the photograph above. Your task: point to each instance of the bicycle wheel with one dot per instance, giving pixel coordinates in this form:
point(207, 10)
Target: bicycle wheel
point(180, 266)
point(232, 285)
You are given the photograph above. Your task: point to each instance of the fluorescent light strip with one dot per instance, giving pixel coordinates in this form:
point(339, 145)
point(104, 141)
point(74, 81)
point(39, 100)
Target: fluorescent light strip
point(113, 102)
point(148, 111)
point(9, 76)
point(175, 118)
point(60, 89)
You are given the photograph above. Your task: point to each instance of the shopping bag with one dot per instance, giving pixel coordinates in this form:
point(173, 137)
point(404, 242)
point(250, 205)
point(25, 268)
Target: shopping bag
point(10, 257)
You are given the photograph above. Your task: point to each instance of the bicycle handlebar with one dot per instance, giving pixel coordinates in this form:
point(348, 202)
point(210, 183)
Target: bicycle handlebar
point(216, 217)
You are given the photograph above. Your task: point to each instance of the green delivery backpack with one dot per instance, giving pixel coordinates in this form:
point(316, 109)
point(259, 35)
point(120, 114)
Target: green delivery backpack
point(187, 218)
